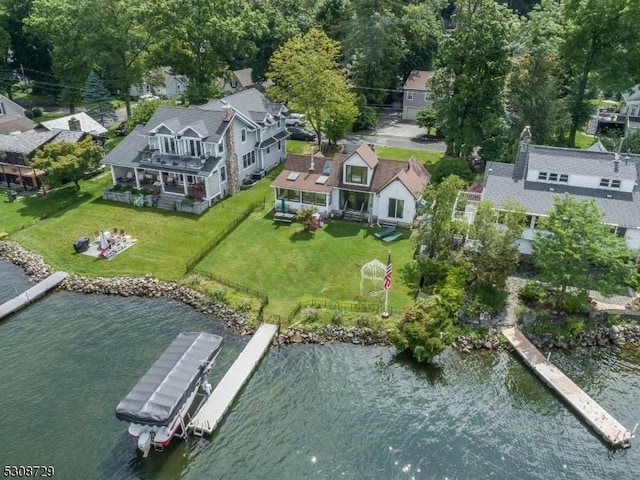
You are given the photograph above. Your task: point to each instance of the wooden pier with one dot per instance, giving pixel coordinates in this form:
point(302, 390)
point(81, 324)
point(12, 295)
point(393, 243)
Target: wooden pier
point(597, 417)
point(212, 412)
point(32, 294)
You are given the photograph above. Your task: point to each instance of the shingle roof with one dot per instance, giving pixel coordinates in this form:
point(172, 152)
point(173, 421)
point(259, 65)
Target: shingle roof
point(87, 124)
point(126, 153)
point(68, 136)
point(417, 80)
point(307, 179)
point(244, 77)
point(566, 160)
point(209, 124)
point(25, 143)
point(248, 102)
point(13, 119)
point(621, 209)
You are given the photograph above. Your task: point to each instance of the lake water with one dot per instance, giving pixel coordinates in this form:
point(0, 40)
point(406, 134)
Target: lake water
point(322, 412)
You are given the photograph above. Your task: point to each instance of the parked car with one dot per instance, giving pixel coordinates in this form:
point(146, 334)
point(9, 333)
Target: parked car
point(121, 130)
point(298, 133)
point(148, 96)
point(295, 120)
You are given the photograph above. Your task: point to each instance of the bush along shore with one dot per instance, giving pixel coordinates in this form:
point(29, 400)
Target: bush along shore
point(147, 286)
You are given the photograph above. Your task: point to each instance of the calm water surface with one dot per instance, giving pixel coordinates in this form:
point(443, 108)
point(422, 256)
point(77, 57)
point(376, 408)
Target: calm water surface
point(323, 412)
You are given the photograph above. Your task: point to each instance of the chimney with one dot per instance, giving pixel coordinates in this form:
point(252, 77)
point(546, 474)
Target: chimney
point(74, 124)
point(616, 162)
point(525, 138)
point(227, 113)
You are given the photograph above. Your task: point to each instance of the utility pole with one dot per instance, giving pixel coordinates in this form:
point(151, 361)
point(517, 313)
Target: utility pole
point(24, 79)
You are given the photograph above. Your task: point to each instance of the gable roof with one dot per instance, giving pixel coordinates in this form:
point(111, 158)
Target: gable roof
point(128, 150)
point(414, 177)
point(244, 77)
point(308, 179)
point(418, 79)
point(208, 124)
point(251, 103)
point(87, 124)
point(13, 119)
point(26, 143)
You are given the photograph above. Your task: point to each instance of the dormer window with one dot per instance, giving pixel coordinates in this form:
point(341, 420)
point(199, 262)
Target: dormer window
point(355, 174)
point(194, 147)
point(168, 144)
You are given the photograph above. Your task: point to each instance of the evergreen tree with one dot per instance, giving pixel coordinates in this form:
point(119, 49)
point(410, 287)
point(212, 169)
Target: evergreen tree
point(97, 98)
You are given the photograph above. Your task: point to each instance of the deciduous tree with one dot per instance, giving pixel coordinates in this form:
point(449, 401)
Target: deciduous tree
point(66, 161)
point(307, 77)
point(575, 250)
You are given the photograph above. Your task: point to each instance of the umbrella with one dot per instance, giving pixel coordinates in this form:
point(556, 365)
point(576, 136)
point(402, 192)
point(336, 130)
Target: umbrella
point(104, 244)
point(283, 206)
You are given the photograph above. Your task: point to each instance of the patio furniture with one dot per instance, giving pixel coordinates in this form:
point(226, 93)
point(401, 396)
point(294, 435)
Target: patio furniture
point(385, 233)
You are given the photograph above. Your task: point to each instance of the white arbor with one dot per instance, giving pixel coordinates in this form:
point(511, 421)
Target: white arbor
point(371, 274)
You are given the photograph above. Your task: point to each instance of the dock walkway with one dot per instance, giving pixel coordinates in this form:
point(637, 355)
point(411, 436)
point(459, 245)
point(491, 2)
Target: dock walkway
point(212, 412)
point(32, 294)
point(592, 413)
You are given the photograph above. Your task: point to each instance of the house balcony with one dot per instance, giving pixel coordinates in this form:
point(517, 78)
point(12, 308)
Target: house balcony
point(157, 159)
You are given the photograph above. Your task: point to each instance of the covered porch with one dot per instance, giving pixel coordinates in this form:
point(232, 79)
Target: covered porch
point(289, 200)
point(355, 205)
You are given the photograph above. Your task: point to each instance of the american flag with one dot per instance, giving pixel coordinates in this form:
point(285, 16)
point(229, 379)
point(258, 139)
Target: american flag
point(386, 282)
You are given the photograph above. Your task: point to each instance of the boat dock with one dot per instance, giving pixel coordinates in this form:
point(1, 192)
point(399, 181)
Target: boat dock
point(32, 294)
point(597, 417)
point(212, 412)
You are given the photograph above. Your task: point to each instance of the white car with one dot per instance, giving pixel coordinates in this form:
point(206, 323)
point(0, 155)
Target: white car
point(148, 96)
point(295, 120)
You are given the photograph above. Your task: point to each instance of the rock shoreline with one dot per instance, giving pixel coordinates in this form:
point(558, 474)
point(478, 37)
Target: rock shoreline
point(37, 270)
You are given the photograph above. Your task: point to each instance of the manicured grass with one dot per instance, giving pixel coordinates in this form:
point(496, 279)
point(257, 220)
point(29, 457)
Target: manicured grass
point(166, 239)
point(48, 116)
point(299, 147)
point(290, 264)
point(426, 157)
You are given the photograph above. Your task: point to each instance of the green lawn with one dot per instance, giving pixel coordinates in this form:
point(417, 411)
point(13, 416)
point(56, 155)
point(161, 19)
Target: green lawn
point(289, 264)
point(48, 116)
point(584, 141)
point(426, 157)
point(299, 147)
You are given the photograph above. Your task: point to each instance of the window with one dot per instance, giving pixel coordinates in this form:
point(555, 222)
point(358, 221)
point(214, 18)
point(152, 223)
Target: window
point(223, 174)
point(221, 147)
point(268, 150)
point(292, 195)
point(615, 183)
point(356, 174)
point(279, 145)
point(553, 177)
point(243, 135)
point(194, 147)
point(564, 178)
point(409, 95)
point(396, 208)
point(542, 176)
point(604, 182)
point(307, 197)
point(169, 144)
point(278, 124)
point(249, 159)
point(312, 198)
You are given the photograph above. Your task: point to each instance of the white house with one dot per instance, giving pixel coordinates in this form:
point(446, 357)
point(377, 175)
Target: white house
point(205, 152)
point(161, 82)
point(357, 186)
point(540, 173)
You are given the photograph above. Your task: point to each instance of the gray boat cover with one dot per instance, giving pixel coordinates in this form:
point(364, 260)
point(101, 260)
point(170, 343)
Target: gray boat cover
point(162, 391)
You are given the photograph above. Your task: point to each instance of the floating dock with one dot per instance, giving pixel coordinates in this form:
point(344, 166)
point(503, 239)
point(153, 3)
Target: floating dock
point(212, 412)
point(35, 292)
point(602, 422)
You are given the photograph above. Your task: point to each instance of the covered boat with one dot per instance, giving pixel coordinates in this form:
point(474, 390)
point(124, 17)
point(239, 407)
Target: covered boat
point(157, 405)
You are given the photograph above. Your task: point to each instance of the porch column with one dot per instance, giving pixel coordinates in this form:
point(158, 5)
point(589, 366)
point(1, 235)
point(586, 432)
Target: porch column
point(184, 184)
point(135, 174)
point(113, 176)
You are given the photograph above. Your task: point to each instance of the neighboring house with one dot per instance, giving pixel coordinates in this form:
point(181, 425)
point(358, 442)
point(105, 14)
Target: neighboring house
point(78, 122)
point(12, 117)
point(240, 80)
point(17, 150)
point(161, 82)
point(540, 173)
point(631, 107)
point(416, 93)
point(357, 186)
point(206, 152)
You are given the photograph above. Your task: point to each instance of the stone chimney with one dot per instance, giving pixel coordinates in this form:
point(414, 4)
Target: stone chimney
point(227, 113)
point(233, 169)
point(74, 124)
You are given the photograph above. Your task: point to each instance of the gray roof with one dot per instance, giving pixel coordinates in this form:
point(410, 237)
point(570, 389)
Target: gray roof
point(87, 124)
point(13, 118)
point(68, 136)
point(25, 143)
point(128, 150)
point(572, 161)
point(209, 124)
point(623, 208)
point(163, 390)
point(251, 103)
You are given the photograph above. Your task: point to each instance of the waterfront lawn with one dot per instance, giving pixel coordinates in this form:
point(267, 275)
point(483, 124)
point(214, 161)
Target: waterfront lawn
point(290, 264)
point(165, 239)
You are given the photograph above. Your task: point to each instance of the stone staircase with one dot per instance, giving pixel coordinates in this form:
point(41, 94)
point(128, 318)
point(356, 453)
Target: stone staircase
point(167, 202)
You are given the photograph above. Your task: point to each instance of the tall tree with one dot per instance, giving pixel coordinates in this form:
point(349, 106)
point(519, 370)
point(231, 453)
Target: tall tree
point(469, 85)
point(97, 98)
point(65, 161)
point(535, 84)
point(575, 250)
point(594, 49)
point(307, 77)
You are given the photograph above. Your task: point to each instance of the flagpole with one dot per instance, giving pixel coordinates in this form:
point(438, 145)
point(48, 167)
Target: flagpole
point(387, 285)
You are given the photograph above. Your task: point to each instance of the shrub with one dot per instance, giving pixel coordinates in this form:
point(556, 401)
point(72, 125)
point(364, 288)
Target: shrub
point(362, 321)
point(219, 295)
point(28, 113)
point(336, 318)
point(532, 292)
point(310, 314)
point(575, 326)
point(487, 298)
point(37, 112)
point(574, 303)
point(244, 305)
point(451, 166)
